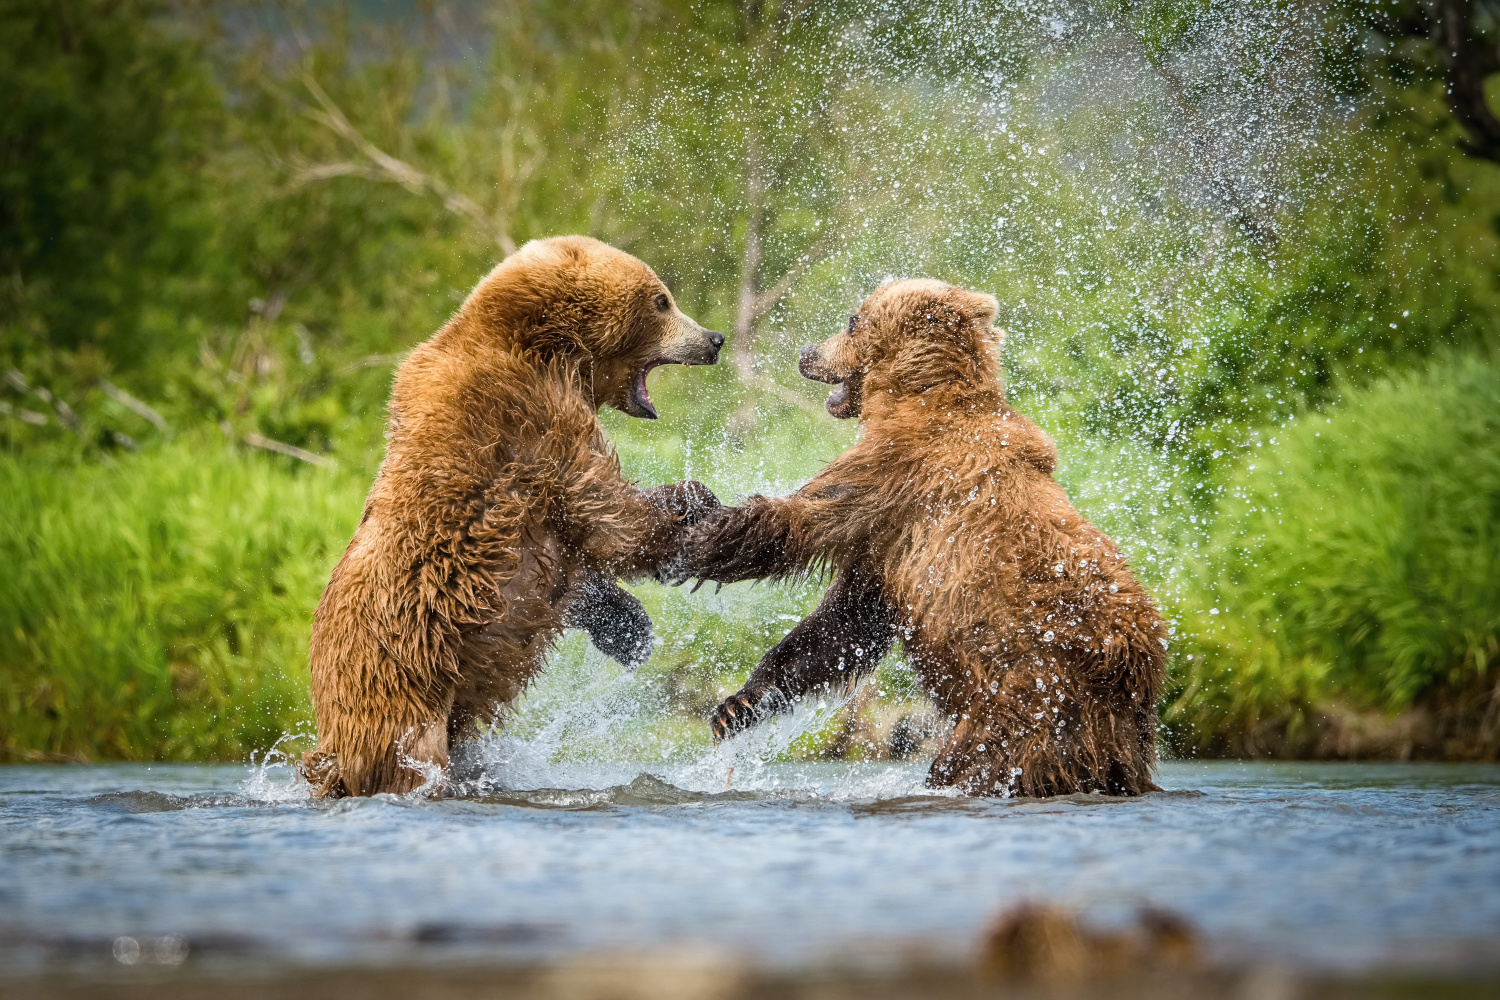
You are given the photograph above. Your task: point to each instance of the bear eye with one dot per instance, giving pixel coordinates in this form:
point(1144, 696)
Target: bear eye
point(853, 320)
point(663, 303)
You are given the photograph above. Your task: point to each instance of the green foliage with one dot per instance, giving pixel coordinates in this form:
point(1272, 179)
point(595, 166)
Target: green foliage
point(159, 608)
point(1356, 557)
point(108, 112)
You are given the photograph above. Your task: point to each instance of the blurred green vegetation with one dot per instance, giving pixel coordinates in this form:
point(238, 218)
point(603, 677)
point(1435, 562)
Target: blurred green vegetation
point(1356, 558)
point(159, 608)
point(1250, 276)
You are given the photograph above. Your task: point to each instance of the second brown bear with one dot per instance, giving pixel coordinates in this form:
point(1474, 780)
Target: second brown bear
point(945, 528)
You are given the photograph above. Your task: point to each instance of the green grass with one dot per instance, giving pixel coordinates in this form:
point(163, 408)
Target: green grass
point(1356, 559)
point(159, 608)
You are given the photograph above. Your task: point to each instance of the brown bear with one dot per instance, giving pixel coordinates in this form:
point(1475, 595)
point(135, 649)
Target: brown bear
point(945, 527)
point(500, 513)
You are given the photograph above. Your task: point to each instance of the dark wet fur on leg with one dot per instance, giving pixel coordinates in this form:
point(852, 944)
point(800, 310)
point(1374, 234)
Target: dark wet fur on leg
point(615, 620)
point(842, 640)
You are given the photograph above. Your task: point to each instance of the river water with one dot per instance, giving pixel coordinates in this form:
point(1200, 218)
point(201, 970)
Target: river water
point(1334, 867)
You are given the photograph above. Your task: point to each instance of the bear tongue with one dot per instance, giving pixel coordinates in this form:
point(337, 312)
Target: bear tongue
point(838, 397)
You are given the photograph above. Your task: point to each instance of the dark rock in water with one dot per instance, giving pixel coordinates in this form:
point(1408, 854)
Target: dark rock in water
point(159, 802)
point(140, 802)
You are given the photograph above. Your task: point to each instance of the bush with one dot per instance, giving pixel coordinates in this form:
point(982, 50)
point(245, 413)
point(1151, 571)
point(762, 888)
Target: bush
point(160, 609)
point(1357, 558)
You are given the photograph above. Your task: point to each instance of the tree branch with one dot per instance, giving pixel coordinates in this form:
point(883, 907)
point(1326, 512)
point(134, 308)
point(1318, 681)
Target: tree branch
point(132, 404)
point(382, 166)
point(820, 251)
point(264, 443)
point(1259, 229)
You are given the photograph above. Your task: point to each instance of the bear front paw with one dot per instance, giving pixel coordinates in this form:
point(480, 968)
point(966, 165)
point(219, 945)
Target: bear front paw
point(615, 620)
point(711, 551)
point(740, 711)
point(688, 501)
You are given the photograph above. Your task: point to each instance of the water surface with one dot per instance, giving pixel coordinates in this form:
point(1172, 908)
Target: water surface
point(1323, 866)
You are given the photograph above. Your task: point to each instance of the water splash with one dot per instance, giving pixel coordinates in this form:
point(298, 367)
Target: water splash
point(275, 776)
point(585, 724)
point(566, 731)
point(743, 762)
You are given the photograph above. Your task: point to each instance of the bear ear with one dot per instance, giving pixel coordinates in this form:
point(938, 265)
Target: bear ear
point(980, 307)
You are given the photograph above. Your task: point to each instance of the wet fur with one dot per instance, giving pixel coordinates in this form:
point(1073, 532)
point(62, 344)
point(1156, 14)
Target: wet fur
point(840, 642)
point(615, 620)
point(1022, 620)
point(500, 505)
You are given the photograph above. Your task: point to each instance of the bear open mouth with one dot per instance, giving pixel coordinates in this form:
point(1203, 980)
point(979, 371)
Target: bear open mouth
point(642, 396)
point(844, 401)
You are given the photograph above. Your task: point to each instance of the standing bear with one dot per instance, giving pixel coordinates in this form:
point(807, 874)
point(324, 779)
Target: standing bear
point(500, 514)
point(945, 528)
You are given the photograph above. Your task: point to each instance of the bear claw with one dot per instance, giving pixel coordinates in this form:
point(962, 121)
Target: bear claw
point(744, 709)
point(734, 715)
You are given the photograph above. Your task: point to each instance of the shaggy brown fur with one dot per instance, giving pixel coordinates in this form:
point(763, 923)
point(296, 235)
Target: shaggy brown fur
point(499, 514)
point(944, 524)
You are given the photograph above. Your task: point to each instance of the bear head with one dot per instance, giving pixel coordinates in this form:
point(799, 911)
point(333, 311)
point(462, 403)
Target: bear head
point(908, 337)
point(577, 300)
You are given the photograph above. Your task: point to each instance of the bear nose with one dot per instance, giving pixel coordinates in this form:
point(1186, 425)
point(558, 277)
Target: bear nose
point(716, 338)
point(808, 350)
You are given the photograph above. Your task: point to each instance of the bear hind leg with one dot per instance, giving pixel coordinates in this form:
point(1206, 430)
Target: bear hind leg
point(380, 756)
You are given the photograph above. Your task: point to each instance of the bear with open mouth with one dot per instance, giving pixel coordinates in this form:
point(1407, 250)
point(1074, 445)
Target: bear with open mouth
point(945, 529)
point(500, 514)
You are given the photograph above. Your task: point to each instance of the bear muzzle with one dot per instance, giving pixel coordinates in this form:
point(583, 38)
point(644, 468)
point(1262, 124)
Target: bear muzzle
point(832, 362)
point(690, 344)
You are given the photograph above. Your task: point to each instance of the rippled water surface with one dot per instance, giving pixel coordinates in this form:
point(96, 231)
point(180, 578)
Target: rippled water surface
point(1324, 865)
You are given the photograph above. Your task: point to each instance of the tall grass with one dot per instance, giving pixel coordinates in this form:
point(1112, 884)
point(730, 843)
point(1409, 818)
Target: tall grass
point(159, 608)
point(1357, 559)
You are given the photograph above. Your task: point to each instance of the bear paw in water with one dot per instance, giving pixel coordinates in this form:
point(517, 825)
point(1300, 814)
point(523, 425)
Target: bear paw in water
point(615, 620)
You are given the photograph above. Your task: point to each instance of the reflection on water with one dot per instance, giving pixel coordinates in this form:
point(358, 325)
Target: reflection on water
point(1324, 865)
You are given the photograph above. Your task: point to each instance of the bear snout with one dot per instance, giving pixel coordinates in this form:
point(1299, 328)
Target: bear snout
point(707, 348)
point(805, 357)
point(693, 345)
point(810, 365)
point(833, 361)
